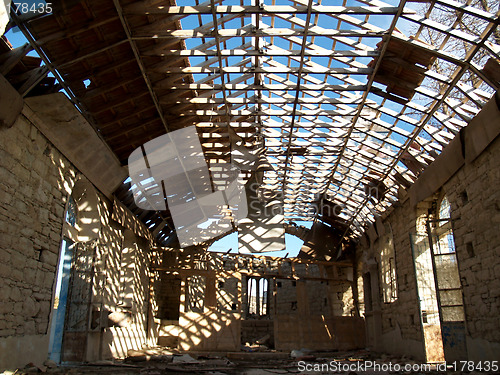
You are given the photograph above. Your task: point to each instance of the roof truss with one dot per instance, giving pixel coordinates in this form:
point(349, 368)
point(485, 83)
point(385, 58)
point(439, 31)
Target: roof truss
point(347, 97)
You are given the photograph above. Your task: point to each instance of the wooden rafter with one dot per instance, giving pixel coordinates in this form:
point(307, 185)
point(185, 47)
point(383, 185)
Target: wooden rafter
point(337, 110)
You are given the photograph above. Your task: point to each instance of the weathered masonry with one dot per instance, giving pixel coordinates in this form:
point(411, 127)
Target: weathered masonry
point(160, 159)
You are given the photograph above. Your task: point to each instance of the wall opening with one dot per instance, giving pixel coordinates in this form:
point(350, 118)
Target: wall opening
point(196, 286)
point(72, 294)
point(388, 267)
point(426, 289)
point(60, 299)
point(448, 284)
point(257, 296)
point(439, 286)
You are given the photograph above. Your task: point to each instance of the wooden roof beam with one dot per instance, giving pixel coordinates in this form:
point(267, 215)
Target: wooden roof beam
point(77, 30)
point(11, 58)
point(263, 52)
point(264, 69)
point(140, 63)
point(266, 86)
point(103, 89)
point(261, 100)
point(148, 33)
point(87, 53)
point(133, 113)
point(139, 8)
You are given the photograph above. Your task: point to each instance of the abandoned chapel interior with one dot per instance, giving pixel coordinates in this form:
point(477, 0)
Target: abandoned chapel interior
point(249, 177)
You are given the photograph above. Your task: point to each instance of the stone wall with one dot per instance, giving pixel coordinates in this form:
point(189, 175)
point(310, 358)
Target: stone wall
point(286, 297)
point(35, 180)
point(35, 183)
point(223, 296)
point(325, 298)
point(254, 330)
point(475, 210)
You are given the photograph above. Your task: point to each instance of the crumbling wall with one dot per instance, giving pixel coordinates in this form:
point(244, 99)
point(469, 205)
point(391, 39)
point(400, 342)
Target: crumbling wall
point(254, 330)
point(475, 211)
point(341, 298)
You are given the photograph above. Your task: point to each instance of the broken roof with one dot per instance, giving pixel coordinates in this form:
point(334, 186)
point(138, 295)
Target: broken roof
point(353, 100)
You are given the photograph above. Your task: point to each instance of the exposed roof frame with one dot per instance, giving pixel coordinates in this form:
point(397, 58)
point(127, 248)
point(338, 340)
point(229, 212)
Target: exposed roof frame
point(310, 101)
point(140, 63)
point(456, 77)
point(365, 96)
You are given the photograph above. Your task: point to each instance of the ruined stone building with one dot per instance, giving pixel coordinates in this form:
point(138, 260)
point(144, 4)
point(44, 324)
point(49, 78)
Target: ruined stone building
point(136, 134)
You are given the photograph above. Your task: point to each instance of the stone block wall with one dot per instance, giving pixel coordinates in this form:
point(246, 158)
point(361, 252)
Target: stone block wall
point(33, 176)
point(35, 183)
point(286, 297)
point(393, 326)
point(475, 210)
point(35, 180)
point(318, 298)
point(474, 197)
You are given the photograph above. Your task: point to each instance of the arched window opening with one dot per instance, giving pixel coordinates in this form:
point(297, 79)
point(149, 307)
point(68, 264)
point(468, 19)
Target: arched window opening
point(444, 209)
point(388, 267)
point(445, 243)
point(71, 215)
point(257, 295)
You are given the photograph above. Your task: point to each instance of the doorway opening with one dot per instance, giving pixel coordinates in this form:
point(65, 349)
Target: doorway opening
point(60, 299)
point(439, 288)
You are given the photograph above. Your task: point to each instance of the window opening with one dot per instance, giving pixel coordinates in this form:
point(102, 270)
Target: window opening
point(257, 295)
point(60, 299)
point(71, 212)
point(388, 268)
point(196, 286)
point(444, 209)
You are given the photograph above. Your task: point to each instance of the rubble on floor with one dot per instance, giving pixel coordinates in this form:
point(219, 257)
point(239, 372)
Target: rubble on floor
point(162, 361)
